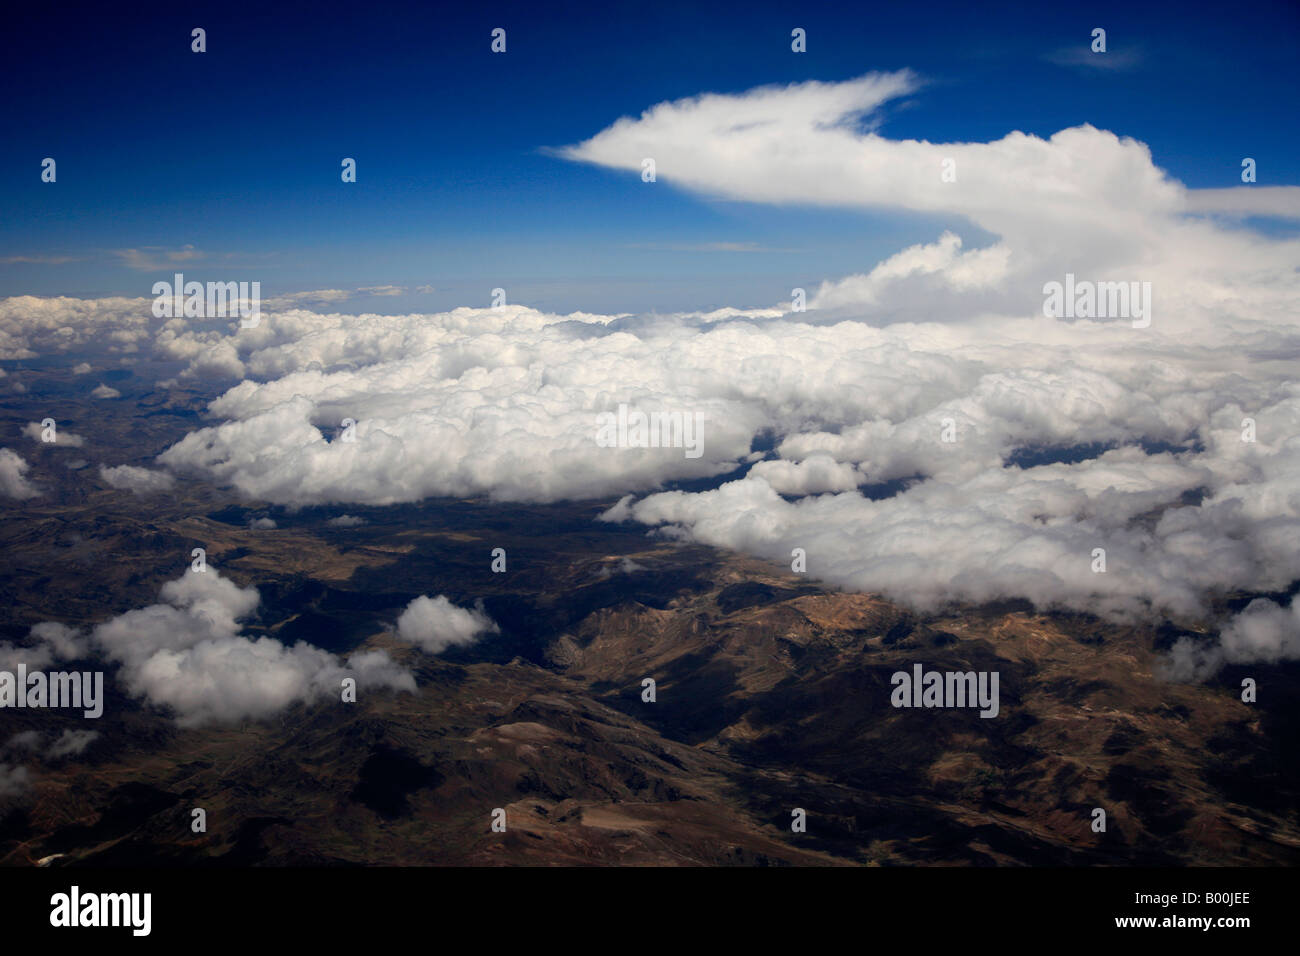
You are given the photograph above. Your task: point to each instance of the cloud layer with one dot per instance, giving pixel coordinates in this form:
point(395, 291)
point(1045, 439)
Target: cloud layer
point(933, 435)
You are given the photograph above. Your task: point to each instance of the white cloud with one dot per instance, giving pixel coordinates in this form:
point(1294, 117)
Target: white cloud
point(71, 743)
point(32, 325)
point(473, 402)
point(105, 391)
point(13, 480)
point(63, 642)
point(817, 474)
point(141, 481)
point(53, 641)
point(81, 368)
point(346, 521)
point(188, 654)
point(291, 300)
point(1282, 201)
point(1084, 200)
point(435, 624)
point(1264, 633)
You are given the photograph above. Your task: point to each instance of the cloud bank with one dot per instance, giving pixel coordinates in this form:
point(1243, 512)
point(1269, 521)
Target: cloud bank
point(924, 430)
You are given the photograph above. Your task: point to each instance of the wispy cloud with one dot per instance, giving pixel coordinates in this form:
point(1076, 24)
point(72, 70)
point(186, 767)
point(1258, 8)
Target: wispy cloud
point(1084, 57)
point(38, 260)
point(706, 247)
point(325, 296)
point(153, 258)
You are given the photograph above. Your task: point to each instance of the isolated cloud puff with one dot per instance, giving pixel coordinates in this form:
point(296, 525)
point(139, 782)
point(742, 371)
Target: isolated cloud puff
point(187, 654)
point(104, 391)
point(13, 480)
point(141, 481)
point(1265, 632)
point(346, 521)
point(435, 624)
point(71, 743)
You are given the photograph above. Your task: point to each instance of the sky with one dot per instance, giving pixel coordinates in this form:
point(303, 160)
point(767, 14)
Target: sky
point(226, 164)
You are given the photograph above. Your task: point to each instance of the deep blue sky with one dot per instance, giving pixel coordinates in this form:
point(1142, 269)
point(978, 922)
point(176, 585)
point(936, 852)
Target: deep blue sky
point(236, 152)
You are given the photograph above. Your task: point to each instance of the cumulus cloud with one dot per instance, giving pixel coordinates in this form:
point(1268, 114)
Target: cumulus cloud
point(469, 402)
point(13, 480)
point(817, 474)
point(1264, 633)
point(32, 325)
point(1083, 200)
point(105, 391)
point(81, 368)
point(346, 521)
point(141, 481)
point(506, 406)
point(188, 654)
point(262, 524)
point(435, 624)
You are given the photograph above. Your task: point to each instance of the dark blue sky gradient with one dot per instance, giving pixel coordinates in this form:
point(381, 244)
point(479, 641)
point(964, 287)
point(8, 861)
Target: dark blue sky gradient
point(237, 151)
